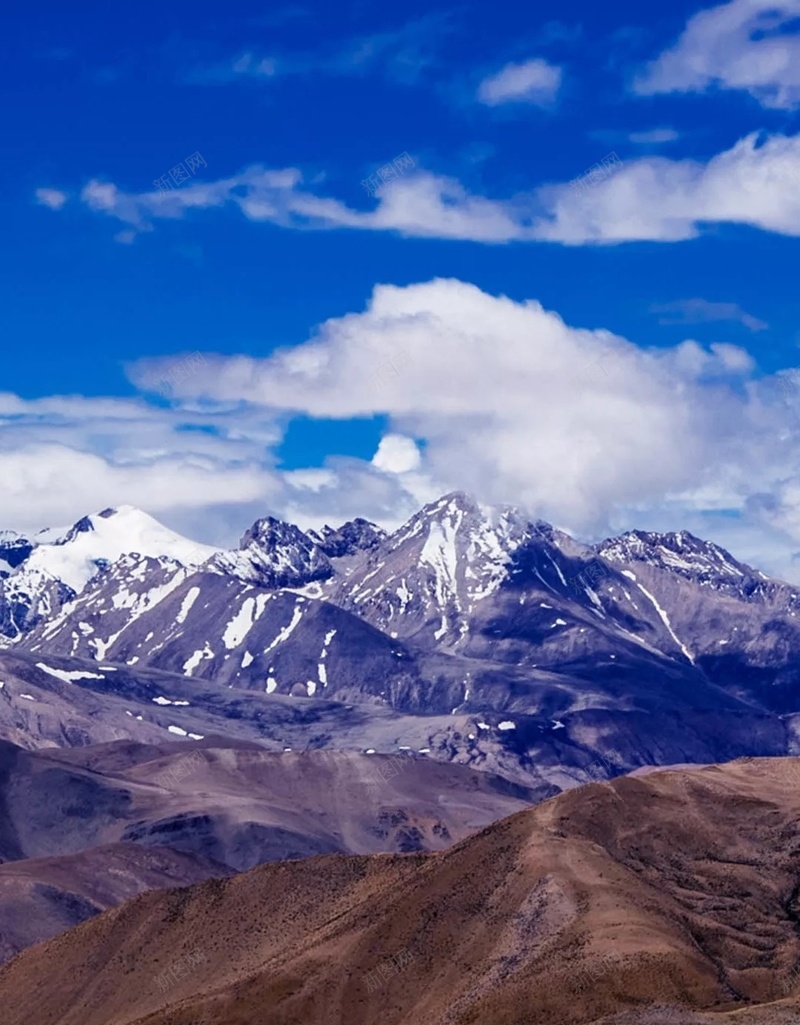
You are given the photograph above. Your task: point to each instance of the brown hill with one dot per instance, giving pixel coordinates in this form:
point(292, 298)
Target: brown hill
point(41, 897)
point(666, 898)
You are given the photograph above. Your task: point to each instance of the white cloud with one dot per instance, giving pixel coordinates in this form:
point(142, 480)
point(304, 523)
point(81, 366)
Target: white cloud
point(205, 469)
point(534, 81)
point(506, 400)
point(64, 456)
point(397, 454)
point(55, 484)
point(737, 45)
point(670, 200)
point(580, 427)
point(53, 198)
point(756, 182)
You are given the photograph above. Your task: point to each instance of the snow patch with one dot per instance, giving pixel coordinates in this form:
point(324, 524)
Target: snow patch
point(193, 661)
point(284, 633)
point(124, 531)
point(189, 599)
point(238, 628)
point(666, 622)
point(69, 677)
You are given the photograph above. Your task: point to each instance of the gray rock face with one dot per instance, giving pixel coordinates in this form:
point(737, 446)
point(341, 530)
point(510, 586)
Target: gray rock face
point(358, 535)
point(28, 599)
point(14, 550)
point(275, 554)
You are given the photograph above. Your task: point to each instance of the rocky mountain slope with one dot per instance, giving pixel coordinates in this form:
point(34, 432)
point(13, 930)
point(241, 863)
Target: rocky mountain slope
point(664, 898)
point(458, 582)
point(71, 702)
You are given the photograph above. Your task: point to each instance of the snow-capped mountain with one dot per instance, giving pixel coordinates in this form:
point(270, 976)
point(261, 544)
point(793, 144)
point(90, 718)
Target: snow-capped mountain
point(741, 629)
point(429, 576)
point(466, 611)
point(209, 625)
point(683, 554)
point(97, 541)
point(43, 574)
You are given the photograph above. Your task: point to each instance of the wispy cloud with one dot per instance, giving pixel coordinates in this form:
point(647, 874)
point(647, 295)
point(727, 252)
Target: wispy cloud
point(654, 137)
point(701, 311)
point(401, 55)
point(535, 81)
point(52, 198)
point(756, 183)
point(748, 45)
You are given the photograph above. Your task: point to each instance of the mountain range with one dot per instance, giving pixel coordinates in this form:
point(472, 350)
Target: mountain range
point(470, 634)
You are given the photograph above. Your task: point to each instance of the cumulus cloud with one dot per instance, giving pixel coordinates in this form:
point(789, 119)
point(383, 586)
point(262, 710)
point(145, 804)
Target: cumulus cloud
point(701, 311)
point(534, 81)
point(397, 454)
point(581, 427)
point(756, 182)
point(481, 393)
point(748, 45)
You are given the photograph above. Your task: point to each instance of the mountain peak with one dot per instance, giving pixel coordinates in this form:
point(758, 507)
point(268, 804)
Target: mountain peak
point(358, 535)
point(274, 553)
point(97, 540)
point(453, 501)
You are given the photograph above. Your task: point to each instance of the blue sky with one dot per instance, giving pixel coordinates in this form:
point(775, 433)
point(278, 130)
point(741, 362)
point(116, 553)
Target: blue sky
point(683, 246)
